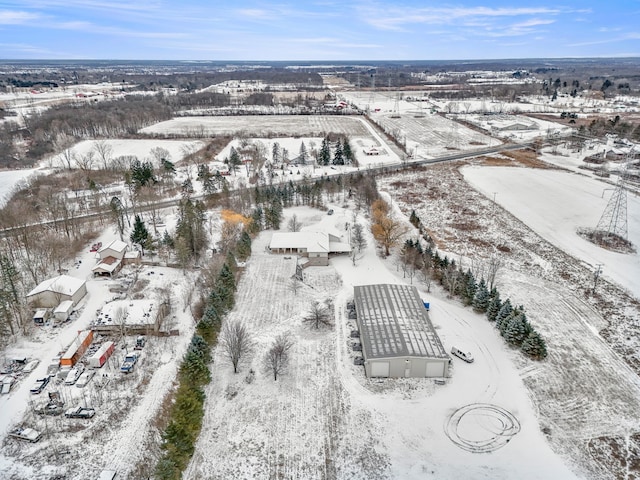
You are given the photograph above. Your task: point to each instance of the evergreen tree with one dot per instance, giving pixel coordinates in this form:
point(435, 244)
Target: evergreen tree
point(534, 346)
point(244, 246)
point(275, 152)
point(348, 153)
point(141, 173)
point(338, 156)
point(303, 153)
point(494, 306)
point(234, 160)
point(225, 288)
point(516, 329)
point(324, 157)
point(506, 310)
point(481, 299)
point(168, 168)
point(273, 214)
point(468, 288)
point(140, 234)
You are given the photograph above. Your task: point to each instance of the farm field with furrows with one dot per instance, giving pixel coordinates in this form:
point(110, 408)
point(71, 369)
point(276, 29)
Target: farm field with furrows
point(257, 125)
point(584, 392)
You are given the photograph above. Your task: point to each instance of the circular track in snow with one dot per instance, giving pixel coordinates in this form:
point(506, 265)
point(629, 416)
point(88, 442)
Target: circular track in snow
point(481, 427)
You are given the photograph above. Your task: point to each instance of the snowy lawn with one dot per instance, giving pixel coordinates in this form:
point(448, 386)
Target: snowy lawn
point(324, 419)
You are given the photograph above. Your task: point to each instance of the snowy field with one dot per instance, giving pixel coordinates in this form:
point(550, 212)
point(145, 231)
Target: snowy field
point(260, 126)
point(104, 152)
point(324, 419)
point(501, 124)
point(585, 395)
point(535, 195)
point(10, 179)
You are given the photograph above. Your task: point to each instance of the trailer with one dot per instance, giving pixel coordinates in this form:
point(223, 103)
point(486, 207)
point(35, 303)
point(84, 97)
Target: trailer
point(103, 354)
point(77, 348)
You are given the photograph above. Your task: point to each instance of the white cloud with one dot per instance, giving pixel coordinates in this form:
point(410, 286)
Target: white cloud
point(12, 17)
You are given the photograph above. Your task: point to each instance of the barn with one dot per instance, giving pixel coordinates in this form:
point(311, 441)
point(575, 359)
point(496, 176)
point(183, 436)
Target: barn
point(51, 292)
point(398, 338)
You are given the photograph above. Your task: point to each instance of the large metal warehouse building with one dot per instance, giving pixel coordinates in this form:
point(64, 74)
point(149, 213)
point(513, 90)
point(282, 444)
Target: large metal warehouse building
point(398, 339)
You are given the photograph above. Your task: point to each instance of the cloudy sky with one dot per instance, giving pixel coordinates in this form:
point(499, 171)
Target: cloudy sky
point(317, 30)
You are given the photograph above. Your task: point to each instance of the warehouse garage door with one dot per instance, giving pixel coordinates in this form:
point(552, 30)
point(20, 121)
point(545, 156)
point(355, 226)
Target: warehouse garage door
point(435, 369)
point(380, 369)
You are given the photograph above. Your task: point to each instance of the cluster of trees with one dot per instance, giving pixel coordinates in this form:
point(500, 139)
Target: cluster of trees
point(187, 411)
point(67, 123)
point(477, 290)
point(342, 153)
point(601, 126)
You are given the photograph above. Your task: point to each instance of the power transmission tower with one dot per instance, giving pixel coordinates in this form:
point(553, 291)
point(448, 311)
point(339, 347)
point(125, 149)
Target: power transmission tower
point(372, 97)
point(396, 107)
point(614, 218)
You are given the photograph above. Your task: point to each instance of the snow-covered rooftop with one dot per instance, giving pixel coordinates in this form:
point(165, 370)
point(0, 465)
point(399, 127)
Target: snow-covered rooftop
point(62, 284)
point(394, 323)
point(117, 246)
point(129, 312)
point(311, 241)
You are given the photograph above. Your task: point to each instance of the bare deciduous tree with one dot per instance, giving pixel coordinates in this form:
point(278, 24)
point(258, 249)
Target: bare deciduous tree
point(294, 225)
point(295, 285)
point(493, 267)
point(319, 315)
point(236, 342)
point(276, 360)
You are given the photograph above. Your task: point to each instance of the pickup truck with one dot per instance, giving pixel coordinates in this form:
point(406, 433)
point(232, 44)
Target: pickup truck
point(28, 434)
point(129, 362)
point(40, 384)
point(80, 412)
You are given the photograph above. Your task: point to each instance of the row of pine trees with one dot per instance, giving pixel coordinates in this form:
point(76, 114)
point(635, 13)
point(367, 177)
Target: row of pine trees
point(185, 418)
point(511, 321)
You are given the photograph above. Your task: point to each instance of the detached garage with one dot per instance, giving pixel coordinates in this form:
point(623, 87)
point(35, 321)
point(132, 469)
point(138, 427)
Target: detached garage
point(398, 339)
point(51, 292)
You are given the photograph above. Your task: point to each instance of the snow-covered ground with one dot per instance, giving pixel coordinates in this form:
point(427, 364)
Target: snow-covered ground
point(324, 418)
point(554, 204)
point(10, 179)
point(104, 152)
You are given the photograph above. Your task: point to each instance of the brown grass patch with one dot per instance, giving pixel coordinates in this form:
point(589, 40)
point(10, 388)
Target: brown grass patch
point(400, 184)
point(479, 242)
point(503, 248)
point(465, 226)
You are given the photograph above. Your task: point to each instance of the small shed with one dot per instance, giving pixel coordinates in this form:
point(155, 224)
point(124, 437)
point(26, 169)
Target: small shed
point(51, 292)
point(41, 316)
point(62, 311)
point(115, 249)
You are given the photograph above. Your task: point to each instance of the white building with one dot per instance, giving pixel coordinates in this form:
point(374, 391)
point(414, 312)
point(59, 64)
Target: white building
point(316, 246)
point(50, 293)
point(398, 339)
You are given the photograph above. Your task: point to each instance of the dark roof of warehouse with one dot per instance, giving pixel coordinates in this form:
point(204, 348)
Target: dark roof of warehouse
point(394, 323)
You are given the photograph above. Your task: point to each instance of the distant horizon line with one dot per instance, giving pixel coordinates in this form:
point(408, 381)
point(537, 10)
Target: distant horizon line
point(332, 61)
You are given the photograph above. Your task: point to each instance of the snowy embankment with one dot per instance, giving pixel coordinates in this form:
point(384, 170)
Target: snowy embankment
point(554, 204)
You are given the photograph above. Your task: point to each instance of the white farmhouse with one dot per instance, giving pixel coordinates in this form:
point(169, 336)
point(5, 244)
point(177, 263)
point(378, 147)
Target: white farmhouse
point(316, 246)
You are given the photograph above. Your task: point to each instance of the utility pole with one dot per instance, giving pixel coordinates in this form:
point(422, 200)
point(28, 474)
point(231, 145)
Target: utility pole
point(596, 276)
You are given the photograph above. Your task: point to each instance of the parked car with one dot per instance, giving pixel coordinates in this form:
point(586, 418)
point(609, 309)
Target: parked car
point(129, 362)
point(358, 361)
point(40, 384)
point(55, 405)
point(330, 211)
point(80, 412)
point(357, 347)
point(74, 374)
point(466, 356)
point(85, 378)
point(31, 366)
point(7, 383)
point(28, 434)
point(140, 343)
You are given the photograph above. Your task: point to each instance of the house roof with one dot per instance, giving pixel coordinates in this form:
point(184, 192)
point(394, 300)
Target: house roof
point(108, 264)
point(64, 307)
point(394, 323)
point(313, 242)
point(116, 246)
point(62, 284)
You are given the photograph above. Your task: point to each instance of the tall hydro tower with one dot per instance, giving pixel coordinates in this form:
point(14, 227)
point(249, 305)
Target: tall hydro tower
point(613, 222)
